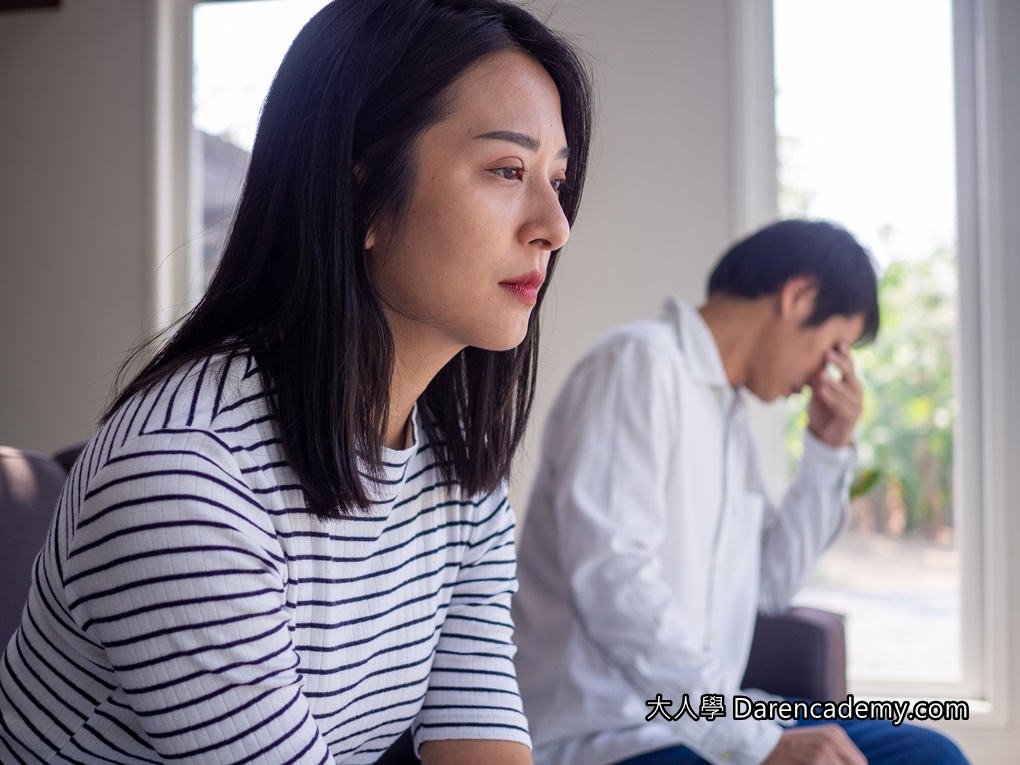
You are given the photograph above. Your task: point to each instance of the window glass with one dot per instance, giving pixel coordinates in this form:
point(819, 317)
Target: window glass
point(237, 48)
point(865, 131)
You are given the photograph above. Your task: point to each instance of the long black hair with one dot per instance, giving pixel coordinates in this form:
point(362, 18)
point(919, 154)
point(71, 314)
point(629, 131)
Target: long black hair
point(334, 152)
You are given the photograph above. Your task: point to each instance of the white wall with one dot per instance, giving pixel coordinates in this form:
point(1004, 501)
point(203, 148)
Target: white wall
point(72, 213)
point(656, 208)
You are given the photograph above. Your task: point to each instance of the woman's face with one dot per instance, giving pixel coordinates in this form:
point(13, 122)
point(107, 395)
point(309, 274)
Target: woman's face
point(463, 265)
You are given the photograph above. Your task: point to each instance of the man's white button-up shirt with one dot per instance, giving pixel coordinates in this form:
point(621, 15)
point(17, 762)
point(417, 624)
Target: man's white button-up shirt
point(649, 546)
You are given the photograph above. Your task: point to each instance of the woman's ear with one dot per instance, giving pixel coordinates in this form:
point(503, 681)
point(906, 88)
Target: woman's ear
point(797, 298)
point(358, 172)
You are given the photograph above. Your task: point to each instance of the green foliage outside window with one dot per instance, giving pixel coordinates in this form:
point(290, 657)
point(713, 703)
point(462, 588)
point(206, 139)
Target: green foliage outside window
point(905, 436)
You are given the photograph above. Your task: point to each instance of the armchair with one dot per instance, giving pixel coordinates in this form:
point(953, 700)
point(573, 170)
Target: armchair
point(30, 485)
point(800, 653)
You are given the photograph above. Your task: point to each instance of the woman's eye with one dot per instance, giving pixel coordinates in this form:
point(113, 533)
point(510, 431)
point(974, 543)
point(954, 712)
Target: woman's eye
point(510, 173)
point(558, 184)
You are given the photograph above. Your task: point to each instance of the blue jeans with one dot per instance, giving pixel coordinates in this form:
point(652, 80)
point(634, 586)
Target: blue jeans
point(880, 741)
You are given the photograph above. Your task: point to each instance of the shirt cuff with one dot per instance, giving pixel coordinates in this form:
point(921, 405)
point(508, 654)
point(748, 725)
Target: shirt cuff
point(831, 467)
point(747, 750)
point(837, 461)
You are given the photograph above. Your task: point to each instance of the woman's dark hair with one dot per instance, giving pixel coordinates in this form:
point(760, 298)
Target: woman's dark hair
point(334, 152)
point(828, 254)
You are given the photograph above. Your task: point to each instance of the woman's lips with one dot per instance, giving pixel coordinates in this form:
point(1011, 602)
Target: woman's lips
point(525, 288)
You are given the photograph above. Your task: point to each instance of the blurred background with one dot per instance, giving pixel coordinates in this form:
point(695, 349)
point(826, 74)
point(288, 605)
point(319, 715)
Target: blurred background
point(124, 140)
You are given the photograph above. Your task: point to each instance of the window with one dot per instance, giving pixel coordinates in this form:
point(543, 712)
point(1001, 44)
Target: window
point(237, 48)
point(214, 63)
point(866, 137)
point(963, 279)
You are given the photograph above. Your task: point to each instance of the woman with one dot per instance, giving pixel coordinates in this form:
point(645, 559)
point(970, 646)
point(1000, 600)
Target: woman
point(290, 540)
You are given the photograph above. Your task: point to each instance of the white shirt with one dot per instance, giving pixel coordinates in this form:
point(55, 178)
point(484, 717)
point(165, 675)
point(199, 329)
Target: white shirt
point(650, 545)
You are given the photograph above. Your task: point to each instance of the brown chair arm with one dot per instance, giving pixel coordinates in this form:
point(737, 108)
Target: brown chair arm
point(800, 653)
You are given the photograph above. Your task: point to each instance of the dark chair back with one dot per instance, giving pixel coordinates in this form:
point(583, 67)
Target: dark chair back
point(30, 485)
point(799, 654)
point(67, 457)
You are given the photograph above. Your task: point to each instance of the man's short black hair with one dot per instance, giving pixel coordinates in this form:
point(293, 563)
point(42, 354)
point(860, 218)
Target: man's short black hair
point(826, 253)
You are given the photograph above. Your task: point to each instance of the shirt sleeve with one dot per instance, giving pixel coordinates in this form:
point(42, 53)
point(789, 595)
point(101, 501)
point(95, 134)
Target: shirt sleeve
point(473, 690)
point(175, 571)
point(810, 517)
point(614, 436)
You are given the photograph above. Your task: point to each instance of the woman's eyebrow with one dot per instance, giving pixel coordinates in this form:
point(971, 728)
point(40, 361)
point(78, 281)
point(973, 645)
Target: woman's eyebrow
point(521, 139)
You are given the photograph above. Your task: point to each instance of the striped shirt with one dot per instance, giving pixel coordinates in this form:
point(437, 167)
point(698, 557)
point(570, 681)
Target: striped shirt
point(188, 608)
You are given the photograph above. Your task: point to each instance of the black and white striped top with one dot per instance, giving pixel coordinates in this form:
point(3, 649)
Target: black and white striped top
point(188, 608)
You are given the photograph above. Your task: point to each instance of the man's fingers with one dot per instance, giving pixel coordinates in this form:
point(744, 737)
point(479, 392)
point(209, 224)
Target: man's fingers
point(815, 745)
point(841, 358)
point(841, 399)
point(852, 755)
point(843, 748)
point(836, 404)
point(849, 382)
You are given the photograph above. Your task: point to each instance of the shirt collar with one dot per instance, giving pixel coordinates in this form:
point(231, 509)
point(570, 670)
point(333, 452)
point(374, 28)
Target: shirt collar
point(384, 489)
point(698, 345)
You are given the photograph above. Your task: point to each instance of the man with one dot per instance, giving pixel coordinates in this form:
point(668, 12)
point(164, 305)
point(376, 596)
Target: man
point(649, 545)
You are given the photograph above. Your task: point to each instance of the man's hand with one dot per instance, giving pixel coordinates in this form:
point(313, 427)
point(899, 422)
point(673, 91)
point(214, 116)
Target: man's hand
point(835, 404)
point(816, 745)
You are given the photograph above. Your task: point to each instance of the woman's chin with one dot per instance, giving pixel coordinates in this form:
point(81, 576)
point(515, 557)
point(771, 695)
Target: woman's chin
point(505, 341)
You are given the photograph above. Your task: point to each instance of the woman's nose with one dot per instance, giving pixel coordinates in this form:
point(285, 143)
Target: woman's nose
point(546, 224)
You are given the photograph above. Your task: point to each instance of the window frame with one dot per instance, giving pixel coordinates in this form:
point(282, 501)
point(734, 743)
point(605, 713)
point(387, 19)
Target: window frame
point(980, 442)
point(176, 208)
point(981, 459)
